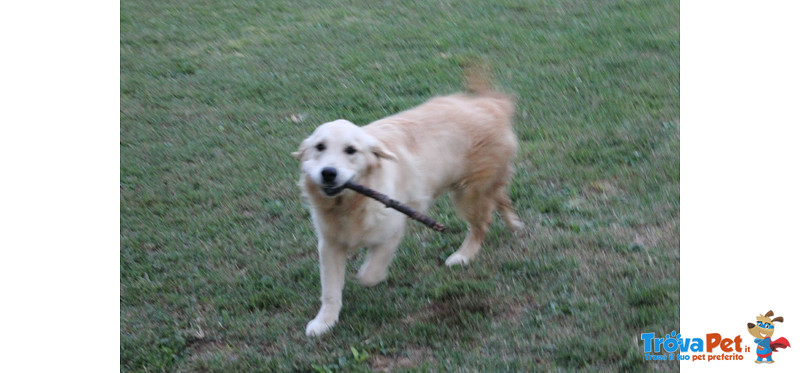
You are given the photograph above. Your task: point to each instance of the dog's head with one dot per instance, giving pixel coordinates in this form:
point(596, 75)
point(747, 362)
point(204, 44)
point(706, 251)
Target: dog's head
point(338, 152)
point(764, 327)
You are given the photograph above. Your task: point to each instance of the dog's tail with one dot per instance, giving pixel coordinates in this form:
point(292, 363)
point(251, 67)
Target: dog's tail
point(477, 77)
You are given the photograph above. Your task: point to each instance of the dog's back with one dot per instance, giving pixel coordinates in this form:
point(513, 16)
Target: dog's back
point(452, 141)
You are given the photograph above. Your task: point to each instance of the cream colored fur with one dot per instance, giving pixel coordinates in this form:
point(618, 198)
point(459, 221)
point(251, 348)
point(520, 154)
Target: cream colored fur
point(462, 143)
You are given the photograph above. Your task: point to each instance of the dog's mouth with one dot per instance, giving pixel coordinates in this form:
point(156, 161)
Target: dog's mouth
point(332, 191)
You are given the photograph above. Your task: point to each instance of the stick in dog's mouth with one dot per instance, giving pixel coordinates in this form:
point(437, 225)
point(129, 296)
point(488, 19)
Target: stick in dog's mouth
point(382, 198)
point(332, 191)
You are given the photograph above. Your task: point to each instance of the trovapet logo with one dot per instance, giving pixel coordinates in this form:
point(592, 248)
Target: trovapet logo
point(715, 346)
point(677, 348)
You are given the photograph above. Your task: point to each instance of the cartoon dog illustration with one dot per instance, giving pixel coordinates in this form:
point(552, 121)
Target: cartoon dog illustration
point(763, 330)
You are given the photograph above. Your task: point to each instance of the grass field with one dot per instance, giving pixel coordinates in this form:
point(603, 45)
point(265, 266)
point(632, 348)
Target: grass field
point(218, 260)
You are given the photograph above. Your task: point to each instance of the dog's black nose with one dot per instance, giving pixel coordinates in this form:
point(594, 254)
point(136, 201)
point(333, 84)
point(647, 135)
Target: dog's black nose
point(328, 174)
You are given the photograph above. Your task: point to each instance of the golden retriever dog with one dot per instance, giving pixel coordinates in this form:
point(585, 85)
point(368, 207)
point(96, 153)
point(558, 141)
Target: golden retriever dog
point(462, 143)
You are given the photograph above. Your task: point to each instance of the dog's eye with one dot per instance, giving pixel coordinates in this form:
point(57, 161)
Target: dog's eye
point(350, 150)
point(320, 146)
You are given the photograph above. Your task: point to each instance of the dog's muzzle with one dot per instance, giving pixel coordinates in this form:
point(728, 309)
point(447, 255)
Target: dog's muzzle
point(329, 182)
point(328, 175)
point(332, 191)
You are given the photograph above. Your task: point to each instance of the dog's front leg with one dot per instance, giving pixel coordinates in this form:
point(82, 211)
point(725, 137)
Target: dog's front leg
point(376, 266)
point(331, 270)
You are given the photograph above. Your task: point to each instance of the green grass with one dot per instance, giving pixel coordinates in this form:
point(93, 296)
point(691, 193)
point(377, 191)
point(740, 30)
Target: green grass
point(218, 267)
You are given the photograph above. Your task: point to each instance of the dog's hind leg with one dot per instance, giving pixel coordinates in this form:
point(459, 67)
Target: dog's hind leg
point(476, 209)
point(506, 208)
point(376, 266)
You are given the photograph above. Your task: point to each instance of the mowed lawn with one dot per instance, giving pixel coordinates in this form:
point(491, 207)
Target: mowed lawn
point(218, 262)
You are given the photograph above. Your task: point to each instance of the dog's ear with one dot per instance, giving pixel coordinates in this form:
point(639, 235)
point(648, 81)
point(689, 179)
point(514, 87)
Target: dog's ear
point(768, 314)
point(301, 150)
point(778, 319)
point(381, 152)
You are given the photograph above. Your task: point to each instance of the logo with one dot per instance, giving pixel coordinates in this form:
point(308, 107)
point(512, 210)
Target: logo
point(715, 346)
point(763, 330)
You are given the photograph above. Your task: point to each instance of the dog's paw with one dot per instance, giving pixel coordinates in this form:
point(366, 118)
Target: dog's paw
point(368, 279)
point(318, 327)
point(456, 259)
point(517, 225)
point(513, 222)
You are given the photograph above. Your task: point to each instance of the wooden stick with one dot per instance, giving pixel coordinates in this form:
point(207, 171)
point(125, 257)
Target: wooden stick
point(382, 198)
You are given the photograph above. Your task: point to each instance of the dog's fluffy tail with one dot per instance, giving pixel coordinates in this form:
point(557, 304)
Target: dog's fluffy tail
point(477, 77)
